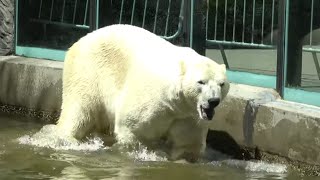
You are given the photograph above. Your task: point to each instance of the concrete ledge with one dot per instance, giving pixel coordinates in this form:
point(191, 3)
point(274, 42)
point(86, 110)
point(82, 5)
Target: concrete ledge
point(253, 116)
point(257, 117)
point(31, 83)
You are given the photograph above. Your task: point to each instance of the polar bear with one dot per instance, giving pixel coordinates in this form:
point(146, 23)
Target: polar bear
point(129, 85)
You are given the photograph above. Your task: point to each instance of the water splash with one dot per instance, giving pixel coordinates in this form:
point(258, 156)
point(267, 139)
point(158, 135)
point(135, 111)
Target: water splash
point(50, 137)
point(143, 154)
point(258, 166)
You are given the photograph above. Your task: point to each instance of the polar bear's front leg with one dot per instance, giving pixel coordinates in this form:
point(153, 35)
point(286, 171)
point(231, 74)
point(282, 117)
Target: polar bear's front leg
point(75, 120)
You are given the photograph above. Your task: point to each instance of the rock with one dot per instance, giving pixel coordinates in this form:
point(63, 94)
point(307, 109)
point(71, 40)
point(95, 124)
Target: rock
point(7, 27)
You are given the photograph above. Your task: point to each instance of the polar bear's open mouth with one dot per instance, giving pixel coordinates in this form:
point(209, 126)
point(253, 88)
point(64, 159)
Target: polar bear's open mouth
point(206, 113)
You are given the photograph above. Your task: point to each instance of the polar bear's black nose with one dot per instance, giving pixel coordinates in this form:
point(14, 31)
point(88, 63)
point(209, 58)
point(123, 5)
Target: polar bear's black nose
point(214, 102)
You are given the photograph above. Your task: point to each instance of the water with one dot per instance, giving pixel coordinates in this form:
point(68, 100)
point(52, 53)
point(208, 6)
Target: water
point(26, 156)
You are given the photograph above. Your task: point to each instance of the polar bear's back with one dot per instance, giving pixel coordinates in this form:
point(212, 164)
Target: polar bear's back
point(111, 56)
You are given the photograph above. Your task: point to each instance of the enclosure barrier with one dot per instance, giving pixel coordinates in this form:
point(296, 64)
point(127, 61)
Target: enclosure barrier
point(73, 6)
point(249, 25)
point(61, 21)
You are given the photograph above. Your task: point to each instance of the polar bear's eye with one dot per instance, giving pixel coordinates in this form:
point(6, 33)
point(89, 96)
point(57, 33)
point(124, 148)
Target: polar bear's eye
point(222, 84)
point(201, 82)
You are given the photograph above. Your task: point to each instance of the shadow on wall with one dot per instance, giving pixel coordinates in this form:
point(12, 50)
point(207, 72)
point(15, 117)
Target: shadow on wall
point(221, 141)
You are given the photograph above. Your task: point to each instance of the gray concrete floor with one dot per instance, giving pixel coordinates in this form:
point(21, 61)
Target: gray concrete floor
point(264, 61)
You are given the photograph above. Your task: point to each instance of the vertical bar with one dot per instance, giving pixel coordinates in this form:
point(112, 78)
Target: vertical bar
point(93, 15)
point(262, 21)
point(97, 13)
point(63, 6)
point(40, 9)
point(191, 22)
point(311, 22)
point(244, 19)
point(52, 2)
point(234, 19)
point(85, 13)
point(207, 19)
point(121, 10)
point(316, 63)
point(144, 12)
point(253, 13)
point(186, 19)
point(282, 45)
point(272, 21)
point(198, 26)
point(216, 20)
point(225, 20)
point(74, 11)
point(132, 12)
point(155, 17)
point(167, 21)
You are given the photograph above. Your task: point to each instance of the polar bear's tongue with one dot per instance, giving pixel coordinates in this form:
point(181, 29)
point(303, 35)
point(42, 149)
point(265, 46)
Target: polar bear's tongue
point(207, 113)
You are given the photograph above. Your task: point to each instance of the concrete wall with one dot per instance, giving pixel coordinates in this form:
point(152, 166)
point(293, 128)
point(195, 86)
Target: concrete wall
point(252, 116)
point(257, 117)
point(6, 27)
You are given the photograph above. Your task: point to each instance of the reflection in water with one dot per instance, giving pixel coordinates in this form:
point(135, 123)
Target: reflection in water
point(26, 153)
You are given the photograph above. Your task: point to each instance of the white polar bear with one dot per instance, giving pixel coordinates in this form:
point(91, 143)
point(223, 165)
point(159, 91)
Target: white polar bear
point(126, 83)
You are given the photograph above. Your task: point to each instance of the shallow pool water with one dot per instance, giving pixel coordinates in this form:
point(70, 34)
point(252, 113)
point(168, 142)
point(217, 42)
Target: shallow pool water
point(22, 158)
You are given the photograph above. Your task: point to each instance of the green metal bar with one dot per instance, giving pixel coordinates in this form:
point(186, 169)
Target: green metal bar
point(207, 19)
point(60, 23)
point(272, 22)
point(225, 19)
point(121, 10)
point(144, 12)
point(242, 44)
point(262, 21)
point(167, 19)
point(97, 13)
point(191, 21)
point(234, 19)
point(253, 14)
point(132, 12)
point(216, 20)
point(244, 19)
point(63, 7)
point(287, 2)
point(311, 22)
point(155, 17)
point(74, 11)
point(85, 13)
point(40, 9)
point(308, 49)
point(52, 2)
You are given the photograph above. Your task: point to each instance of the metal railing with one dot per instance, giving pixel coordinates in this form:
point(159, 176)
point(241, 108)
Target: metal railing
point(251, 24)
point(154, 5)
point(242, 23)
point(75, 13)
point(68, 13)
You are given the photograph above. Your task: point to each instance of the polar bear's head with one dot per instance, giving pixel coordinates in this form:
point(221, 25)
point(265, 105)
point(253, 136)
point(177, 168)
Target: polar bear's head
point(204, 84)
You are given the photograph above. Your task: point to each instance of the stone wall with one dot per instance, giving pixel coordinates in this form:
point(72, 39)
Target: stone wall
point(6, 27)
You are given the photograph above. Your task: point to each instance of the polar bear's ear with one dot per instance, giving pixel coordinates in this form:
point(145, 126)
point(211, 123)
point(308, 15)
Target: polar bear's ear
point(182, 67)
